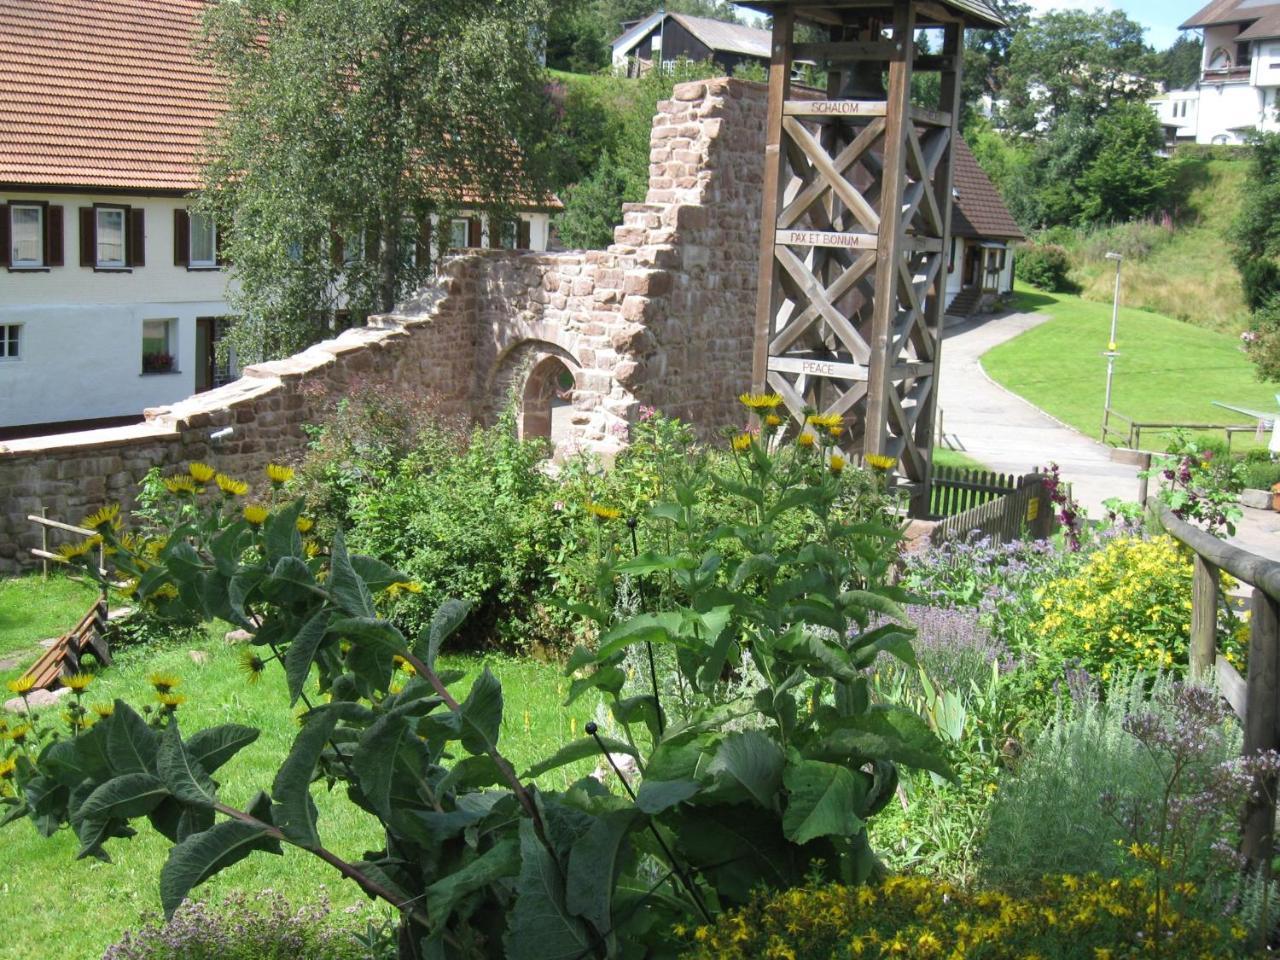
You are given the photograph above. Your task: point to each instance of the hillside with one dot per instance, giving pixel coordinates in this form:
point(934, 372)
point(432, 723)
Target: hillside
point(1181, 268)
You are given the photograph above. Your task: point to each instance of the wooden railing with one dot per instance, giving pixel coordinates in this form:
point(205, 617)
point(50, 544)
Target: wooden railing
point(956, 489)
point(1129, 433)
point(1021, 507)
point(1255, 698)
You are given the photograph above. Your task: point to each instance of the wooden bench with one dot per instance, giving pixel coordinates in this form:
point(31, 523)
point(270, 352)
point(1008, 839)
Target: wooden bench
point(63, 658)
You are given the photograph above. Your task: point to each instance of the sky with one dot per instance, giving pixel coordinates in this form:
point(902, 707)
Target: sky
point(1160, 17)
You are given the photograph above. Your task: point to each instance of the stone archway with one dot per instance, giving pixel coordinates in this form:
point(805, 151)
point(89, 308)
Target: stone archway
point(546, 401)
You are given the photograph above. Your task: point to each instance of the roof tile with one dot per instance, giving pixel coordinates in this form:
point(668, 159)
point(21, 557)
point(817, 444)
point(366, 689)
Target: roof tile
point(978, 210)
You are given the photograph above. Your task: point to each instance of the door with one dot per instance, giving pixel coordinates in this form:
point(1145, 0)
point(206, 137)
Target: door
point(206, 355)
point(972, 265)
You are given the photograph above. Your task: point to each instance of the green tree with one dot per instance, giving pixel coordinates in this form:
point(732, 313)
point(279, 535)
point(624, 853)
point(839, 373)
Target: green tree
point(354, 121)
point(1179, 66)
point(1127, 177)
point(578, 37)
point(1074, 59)
point(986, 56)
point(1255, 249)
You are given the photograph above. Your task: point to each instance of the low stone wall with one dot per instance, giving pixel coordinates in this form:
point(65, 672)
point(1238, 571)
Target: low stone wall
point(662, 317)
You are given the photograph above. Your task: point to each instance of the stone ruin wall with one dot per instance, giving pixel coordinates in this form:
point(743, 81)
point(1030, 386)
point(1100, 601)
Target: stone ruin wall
point(663, 317)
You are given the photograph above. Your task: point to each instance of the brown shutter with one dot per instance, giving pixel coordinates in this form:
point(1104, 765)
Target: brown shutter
point(136, 244)
point(336, 249)
point(473, 232)
point(88, 237)
point(53, 237)
point(4, 235)
point(424, 243)
point(181, 238)
point(524, 234)
point(496, 227)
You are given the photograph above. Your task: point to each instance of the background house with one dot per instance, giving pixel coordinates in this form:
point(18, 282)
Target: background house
point(666, 37)
point(112, 291)
point(1239, 75)
point(980, 268)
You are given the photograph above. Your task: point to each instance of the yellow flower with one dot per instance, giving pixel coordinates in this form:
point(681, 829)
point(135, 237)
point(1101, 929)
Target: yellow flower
point(304, 524)
point(772, 420)
point(70, 551)
point(78, 682)
point(878, 461)
point(836, 464)
point(166, 591)
point(7, 767)
point(22, 685)
point(108, 516)
point(601, 512)
point(806, 440)
point(171, 701)
point(279, 474)
point(20, 733)
point(201, 472)
point(311, 548)
point(403, 586)
point(163, 682)
point(179, 485)
point(104, 710)
point(256, 515)
point(826, 421)
point(742, 443)
point(760, 401)
point(231, 487)
point(252, 664)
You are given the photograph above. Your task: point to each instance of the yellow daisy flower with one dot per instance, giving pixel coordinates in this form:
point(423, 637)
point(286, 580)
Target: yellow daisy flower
point(179, 485)
point(171, 701)
point(230, 486)
point(827, 421)
point(7, 767)
point(163, 682)
point(256, 515)
point(741, 443)
point(201, 472)
point(601, 512)
point(78, 682)
point(252, 664)
point(806, 440)
point(104, 710)
point(21, 685)
point(279, 474)
point(836, 464)
point(878, 461)
point(304, 524)
point(760, 401)
point(108, 516)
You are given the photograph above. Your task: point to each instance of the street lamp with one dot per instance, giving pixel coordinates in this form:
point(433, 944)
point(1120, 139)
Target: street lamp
point(1111, 352)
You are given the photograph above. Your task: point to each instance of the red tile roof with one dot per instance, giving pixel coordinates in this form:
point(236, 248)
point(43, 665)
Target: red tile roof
point(978, 210)
point(1231, 11)
point(103, 94)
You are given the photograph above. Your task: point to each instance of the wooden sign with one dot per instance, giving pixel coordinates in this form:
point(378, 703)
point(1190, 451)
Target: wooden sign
point(826, 238)
point(838, 108)
point(833, 369)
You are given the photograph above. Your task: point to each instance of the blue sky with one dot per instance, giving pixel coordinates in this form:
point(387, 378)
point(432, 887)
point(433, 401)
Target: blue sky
point(1160, 17)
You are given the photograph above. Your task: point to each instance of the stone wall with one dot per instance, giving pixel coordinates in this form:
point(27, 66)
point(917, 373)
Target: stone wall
point(662, 317)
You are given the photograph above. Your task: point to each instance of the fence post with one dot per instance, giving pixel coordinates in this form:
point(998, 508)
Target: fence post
point(44, 545)
point(1260, 733)
point(1204, 619)
point(1143, 480)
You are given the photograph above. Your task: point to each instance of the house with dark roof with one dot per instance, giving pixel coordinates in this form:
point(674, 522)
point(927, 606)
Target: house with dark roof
point(1239, 86)
point(113, 290)
point(667, 37)
point(980, 265)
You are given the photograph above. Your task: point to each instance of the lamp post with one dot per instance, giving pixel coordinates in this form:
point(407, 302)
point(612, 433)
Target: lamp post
point(1111, 352)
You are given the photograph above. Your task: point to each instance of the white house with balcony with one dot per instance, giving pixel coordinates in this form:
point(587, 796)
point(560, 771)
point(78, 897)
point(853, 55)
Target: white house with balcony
point(113, 294)
point(1239, 76)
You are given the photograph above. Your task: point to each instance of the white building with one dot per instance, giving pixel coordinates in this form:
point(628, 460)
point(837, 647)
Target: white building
point(1239, 76)
point(112, 292)
point(980, 265)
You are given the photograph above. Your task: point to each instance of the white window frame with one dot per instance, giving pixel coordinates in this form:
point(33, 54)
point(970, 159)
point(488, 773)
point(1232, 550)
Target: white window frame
point(10, 333)
point(123, 262)
point(170, 341)
point(14, 262)
point(454, 224)
point(212, 261)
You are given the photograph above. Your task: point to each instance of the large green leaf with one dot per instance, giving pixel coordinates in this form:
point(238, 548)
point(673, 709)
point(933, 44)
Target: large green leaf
point(201, 855)
point(181, 773)
point(348, 590)
point(302, 653)
point(131, 743)
point(823, 800)
point(105, 809)
point(444, 622)
point(654, 796)
point(482, 714)
point(280, 534)
point(594, 864)
point(753, 760)
point(500, 860)
point(890, 733)
point(295, 811)
point(376, 574)
point(575, 751)
point(213, 747)
point(382, 634)
point(540, 926)
point(378, 754)
point(646, 627)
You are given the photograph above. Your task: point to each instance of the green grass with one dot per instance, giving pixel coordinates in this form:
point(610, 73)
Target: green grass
point(63, 909)
point(944, 457)
point(1168, 371)
point(32, 610)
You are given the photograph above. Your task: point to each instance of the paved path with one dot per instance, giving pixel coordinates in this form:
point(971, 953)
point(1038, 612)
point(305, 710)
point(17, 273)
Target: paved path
point(1010, 435)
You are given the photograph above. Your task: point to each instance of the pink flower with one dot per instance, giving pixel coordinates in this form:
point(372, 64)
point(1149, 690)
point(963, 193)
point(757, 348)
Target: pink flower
point(647, 413)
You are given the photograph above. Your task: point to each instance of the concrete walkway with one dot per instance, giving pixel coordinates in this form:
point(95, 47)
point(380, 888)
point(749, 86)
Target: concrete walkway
point(1010, 435)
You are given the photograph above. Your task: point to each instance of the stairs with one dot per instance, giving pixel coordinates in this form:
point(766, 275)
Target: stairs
point(965, 303)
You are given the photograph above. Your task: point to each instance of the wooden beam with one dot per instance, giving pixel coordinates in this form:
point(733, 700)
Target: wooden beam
point(826, 238)
point(779, 91)
point(846, 51)
point(836, 108)
point(1260, 725)
point(1204, 618)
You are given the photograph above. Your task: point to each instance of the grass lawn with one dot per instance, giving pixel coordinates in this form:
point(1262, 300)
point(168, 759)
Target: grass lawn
point(32, 610)
point(1168, 371)
point(63, 909)
point(943, 457)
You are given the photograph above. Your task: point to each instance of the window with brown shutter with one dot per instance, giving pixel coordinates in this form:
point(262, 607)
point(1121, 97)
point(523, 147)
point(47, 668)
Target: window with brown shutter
point(54, 241)
point(337, 251)
point(424, 243)
point(4, 235)
point(136, 246)
point(496, 229)
point(181, 238)
point(24, 236)
point(88, 237)
point(524, 234)
point(473, 232)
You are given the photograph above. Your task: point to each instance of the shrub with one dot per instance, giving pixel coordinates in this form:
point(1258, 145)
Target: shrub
point(1044, 265)
point(1061, 917)
point(266, 927)
point(1128, 608)
point(1261, 475)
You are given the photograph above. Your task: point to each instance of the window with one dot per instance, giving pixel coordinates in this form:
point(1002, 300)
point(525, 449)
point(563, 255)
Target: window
point(26, 233)
point(510, 235)
point(110, 237)
point(1244, 56)
point(204, 241)
point(459, 233)
point(158, 346)
point(10, 339)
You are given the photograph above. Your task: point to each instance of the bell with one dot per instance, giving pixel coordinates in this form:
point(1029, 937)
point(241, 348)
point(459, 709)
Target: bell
point(862, 80)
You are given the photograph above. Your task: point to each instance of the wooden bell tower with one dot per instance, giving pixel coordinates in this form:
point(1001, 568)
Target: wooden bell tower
point(856, 231)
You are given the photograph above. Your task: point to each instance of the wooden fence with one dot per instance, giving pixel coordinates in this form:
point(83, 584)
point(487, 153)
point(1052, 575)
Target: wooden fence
point(1129, 433)
point(1255, 698)
point(999, 507)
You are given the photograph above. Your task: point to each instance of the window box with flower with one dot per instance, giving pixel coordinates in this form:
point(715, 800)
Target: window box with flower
point(158, 362)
